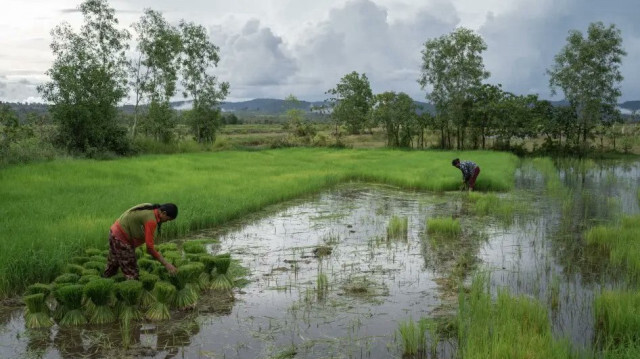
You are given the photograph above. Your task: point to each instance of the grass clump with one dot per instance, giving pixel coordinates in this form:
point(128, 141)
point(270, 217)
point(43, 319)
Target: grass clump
point(70, 299)
point(621, 244)
point(413, 336)
point(519, 326)
point(617, 321)
point(164, 293)
point(397, 228)
point(37, 312)
point(447, 227)
point(100, 292)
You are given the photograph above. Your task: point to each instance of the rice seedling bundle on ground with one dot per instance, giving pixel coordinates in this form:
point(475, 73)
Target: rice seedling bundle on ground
point(70, 302)
point(194, 248)
point(129, 294)
point(86, 272)
point(98, 266)
point(66, 278)
point(164, 293)
point(148, 283)
point(397, 228)
point(39, 288)
point(147, 264)
point(221, 280)
point(185, 282)
point(37, 312)
point(166, 247)
point(447, 227)
point(79, 260)
point(75, 269)
point(98, 258)
point(100, 291)
point(88, 278)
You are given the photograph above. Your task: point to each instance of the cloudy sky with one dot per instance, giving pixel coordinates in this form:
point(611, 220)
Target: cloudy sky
point(273, 48)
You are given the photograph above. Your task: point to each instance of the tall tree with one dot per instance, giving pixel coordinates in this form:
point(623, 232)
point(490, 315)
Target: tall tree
point(587, 70)
point(199, 56)
point(452, 65)
point(397, 114)
point(351, 100)
point(155, 72)
point(88, 80)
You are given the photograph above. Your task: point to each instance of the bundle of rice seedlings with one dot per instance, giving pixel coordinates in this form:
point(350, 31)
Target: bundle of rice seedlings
point(86, 272)
point(148, 264)
point(99, 266)
point(88, 278)
point(119, 277)
point(67, 278)
point(164, 293)
point(79, 260)
point(70, 301)
point(129, 293)
point(173, 257)
point(193, 257)
point(166, 247)
point(59, 310)
point(148, 283)
point(92, 252)
point(209, 262)
point(74, 268)
point(36, 288)
point(194, 248)
point(221, 280)
point(99, 291)
point(185, 282)
point(37, 313)
point(104, 253)
point(101, 259)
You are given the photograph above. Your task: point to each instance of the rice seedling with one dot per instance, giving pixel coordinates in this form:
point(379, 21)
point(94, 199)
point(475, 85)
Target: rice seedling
point(166, 247)
point(164, 293)
point(148, 264)
point(397, 228)
point(148, 283)
point(98, 258)
point(322, 285)
point(192, 257)
point(220, 281)
point(186, 285)
point(67, 278)
point(86, 272)
point(447, 227)
point(554, 292)
point(129, 294)
point(70, 300)
point(75, 269)
point(621, 244)
point(37, 312)
point(413, 336)
point(194, 248)
point(100, 291)
point(98, 266)
point(88, 278)
point(36, 288)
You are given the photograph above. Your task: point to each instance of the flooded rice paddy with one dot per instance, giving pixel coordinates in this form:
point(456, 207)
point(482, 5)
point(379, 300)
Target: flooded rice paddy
point(328, 281)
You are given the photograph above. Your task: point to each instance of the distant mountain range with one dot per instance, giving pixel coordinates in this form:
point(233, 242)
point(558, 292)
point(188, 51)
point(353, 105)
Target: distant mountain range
point(274, 107)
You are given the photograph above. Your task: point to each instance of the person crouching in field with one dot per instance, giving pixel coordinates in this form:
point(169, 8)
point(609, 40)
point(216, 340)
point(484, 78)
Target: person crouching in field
point(135, 227)
point(470, 172)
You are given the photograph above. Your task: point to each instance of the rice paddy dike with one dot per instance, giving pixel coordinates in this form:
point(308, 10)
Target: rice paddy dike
point(544, 268)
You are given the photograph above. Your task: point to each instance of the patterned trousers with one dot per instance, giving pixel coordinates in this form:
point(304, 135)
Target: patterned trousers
point(123, 256)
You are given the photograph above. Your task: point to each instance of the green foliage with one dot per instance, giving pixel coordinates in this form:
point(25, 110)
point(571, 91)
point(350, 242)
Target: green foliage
point(413, 336)
point(587, 70)
point(621, 245)
point(86, 113)
point(351, 101)
point(198, 56)
point(616, 327)
point(296, 123)
point(452, 65)
point(397, 114)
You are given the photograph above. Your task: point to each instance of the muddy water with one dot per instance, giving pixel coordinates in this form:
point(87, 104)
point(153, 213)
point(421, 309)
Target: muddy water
point(348, 303)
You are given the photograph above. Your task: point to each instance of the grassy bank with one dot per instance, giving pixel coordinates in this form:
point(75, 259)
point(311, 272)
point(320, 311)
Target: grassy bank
point(53, 210)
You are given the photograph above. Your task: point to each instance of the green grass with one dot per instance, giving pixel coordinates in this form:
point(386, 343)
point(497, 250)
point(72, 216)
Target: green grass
point(413, 336)
point(511, 327)
point(621, 243)
point(59, 208)
point(617, 319)
point(397, 228)
point(447, 227)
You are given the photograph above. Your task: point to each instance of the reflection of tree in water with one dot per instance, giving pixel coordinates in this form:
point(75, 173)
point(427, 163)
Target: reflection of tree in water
point(38, 341)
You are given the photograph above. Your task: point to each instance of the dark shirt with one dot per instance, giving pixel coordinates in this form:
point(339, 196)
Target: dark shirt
point(467, 168)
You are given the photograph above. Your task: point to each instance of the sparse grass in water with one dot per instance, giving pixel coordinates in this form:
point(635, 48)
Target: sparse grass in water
point(413, 336)
point(397, 228)
point(617, 320)
point(622, 245)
